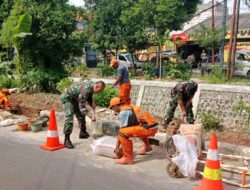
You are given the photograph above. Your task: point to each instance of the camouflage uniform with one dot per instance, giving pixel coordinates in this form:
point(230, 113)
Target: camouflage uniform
point(179, 91)
point(73, 100)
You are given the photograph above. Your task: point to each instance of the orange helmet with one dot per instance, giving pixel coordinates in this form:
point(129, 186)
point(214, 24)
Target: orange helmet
point(114, 62)
point(114, 101)
point(5, 90)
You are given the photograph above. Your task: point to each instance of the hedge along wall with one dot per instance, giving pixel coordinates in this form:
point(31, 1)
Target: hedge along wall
point(154, 96)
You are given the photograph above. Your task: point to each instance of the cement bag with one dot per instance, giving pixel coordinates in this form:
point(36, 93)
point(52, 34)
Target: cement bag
point(193, 133)
point(188, 158)
point(104, 146)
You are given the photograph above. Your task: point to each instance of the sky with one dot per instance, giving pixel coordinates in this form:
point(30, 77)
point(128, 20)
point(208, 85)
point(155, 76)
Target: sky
point(230, 4)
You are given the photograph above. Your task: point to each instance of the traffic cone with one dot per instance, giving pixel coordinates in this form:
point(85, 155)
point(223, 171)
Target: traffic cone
point(52, 135)
point(212, 179)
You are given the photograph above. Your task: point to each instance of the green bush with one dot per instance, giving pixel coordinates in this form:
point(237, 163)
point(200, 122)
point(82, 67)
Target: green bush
point(179, 70)
point(209, 121)
point(7, 82)
point(104, 70)
point(40, 79)
point(149, 71)
point(81, 70)
point(102, 99)
point(63, 84)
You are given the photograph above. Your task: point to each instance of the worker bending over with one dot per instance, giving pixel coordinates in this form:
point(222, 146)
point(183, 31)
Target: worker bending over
point(4, 101)
point(74, 99)
point(134, 122)
point(182, 94)
point(122, 80)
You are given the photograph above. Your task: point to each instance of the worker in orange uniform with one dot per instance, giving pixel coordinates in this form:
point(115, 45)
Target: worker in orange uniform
point(4, 101)
point(134, 122)
point(123, 81)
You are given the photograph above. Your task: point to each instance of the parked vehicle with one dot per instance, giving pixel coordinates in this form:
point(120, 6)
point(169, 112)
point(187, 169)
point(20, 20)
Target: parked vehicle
point(242, 64)
point(126, 59)
point(91, 57)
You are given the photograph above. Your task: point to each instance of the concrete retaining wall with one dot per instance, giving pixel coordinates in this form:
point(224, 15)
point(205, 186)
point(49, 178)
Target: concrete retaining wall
point(154, 96)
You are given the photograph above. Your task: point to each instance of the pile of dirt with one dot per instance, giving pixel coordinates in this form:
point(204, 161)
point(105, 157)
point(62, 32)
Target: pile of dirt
point(30, 105)
point(235, 135)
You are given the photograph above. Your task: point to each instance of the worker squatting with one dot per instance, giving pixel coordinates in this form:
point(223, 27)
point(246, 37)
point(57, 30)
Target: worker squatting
point(134, 121)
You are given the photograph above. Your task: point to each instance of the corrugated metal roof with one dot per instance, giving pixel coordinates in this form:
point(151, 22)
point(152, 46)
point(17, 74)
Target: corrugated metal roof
point(244, 23)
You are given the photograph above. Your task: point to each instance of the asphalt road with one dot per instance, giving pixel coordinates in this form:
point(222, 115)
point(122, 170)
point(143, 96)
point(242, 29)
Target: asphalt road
point(24, 166)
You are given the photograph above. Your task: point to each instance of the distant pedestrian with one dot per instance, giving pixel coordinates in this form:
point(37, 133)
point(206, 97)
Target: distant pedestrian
point(203, 56)
point(191, 60)
point(123, 81)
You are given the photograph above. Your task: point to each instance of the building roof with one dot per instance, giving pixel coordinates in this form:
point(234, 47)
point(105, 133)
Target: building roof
point(244, 23)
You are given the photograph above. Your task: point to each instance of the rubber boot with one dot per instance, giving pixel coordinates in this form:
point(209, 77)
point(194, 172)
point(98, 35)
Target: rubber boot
point(83, 133)
point(67, 142)
point(127, 149)
point(145, 148)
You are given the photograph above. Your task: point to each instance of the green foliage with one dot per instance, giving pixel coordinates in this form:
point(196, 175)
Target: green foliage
point(79, 70)
point(206, 38)
point(104, 70)
point(149, 71)
point(41, 79)
point(64, 84)
point(8, 82)
point(179, 70)
point(102, 99)
point(209, 121)
point(53, 42)
point(243, 106)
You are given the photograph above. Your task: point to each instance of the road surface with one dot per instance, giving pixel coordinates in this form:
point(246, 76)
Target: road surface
point(24, 166)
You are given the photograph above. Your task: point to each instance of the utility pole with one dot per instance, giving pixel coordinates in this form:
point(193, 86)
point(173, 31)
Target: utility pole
point(235, 35)
point(224, 28)
point(229, 61)
point(213, 32)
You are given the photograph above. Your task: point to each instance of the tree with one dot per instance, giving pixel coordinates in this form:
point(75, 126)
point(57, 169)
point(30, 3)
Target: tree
point(206, 37)
point(54, 41)
point(160, 16)
point(106, 25)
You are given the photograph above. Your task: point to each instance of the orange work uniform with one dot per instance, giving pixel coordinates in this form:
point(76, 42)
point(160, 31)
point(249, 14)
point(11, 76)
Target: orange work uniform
point(147, 127)
point(4, 101)
point(124, 93)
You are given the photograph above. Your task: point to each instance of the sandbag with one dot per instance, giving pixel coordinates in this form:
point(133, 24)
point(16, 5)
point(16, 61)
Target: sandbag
point(104, 146)
point(193, 133)
point(188, 157)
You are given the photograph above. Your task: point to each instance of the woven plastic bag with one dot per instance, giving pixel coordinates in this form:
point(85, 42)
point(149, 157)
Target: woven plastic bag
point(188, 157)
point(104, 146)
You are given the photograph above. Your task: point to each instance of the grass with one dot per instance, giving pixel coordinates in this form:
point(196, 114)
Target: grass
point(223, 80)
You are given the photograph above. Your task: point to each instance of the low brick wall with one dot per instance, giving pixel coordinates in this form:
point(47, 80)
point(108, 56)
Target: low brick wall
point(154, 96)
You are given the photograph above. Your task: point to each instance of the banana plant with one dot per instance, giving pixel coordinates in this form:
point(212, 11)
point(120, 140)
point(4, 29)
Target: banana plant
point(21, 31)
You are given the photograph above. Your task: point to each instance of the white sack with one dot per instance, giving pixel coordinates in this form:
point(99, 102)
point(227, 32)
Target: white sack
point(104, 146)
point(8, 122)
point(188, 158)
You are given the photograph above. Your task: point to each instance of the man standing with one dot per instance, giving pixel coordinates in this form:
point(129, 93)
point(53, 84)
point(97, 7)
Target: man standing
point(134, 122)
point(73, 100)
point(191, 60)
point(123, 81)
point(182, 94)
point(203, 56)
point(4, 101)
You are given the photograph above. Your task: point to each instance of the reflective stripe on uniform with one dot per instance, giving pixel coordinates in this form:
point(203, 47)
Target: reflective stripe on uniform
point(52, 134)
point(212, 174)
point(213, 155)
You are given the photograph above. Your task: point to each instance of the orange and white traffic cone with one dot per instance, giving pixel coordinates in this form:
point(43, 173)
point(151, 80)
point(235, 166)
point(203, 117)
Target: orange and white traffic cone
point(52, 142)
point(212, 179)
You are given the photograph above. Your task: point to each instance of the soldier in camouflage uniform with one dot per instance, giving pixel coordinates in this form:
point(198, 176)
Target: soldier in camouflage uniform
point(182, 94)
point(73, 100)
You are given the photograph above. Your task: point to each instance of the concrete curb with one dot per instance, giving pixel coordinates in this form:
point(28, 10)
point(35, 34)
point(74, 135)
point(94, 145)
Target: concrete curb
point(109, 128)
